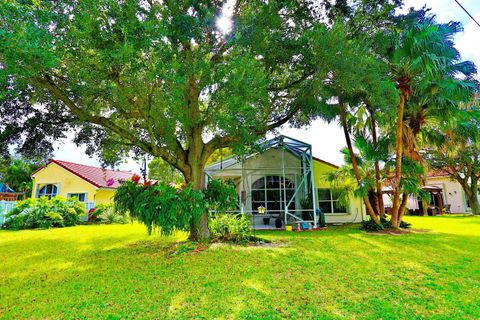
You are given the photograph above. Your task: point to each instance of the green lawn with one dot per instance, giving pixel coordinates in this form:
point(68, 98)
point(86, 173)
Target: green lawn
point(116, 271)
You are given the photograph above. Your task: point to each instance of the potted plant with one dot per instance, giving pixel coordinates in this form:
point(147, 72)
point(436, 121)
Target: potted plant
point(266, 220)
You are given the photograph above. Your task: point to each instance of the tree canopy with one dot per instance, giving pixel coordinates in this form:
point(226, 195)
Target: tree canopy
point(157, 77)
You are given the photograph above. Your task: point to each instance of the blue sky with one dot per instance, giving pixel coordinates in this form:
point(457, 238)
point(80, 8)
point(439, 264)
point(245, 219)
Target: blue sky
point(327, 139)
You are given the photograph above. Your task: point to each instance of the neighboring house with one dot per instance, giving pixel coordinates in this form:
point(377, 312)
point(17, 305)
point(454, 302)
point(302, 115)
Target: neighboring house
point(91, 185)
point(275, 182)
point(7, 193)
point(445, 192)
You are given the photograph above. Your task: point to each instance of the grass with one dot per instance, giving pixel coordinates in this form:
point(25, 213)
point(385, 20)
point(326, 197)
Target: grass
point(116, 271)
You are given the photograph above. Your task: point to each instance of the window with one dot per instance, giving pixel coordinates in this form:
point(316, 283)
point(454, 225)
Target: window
point(48, 190)
point(328, 202)
point(268, 191)
point(80, 196)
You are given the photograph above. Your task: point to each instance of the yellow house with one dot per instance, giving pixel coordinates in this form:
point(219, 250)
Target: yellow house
point(91, 185)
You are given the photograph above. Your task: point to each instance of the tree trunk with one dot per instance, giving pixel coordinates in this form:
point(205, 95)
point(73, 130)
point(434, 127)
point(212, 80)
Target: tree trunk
point(401, 210)
point(398, 162)
point(424, 207)
point(343, 118)
point(381, 205)
point(474, 205)
point(198, 227)
point(471, 191)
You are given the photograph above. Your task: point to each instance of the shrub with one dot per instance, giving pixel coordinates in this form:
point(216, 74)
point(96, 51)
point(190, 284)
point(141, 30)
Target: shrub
point(230, 227)
point(44, 213)
point(370, 225)
point(105, 213)
point(160, 206)
point(221, 195)
point(405, 225)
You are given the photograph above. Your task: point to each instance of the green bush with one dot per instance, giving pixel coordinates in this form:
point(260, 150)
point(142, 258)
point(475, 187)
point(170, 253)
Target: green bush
point(160, 206)
point(221, 195)
point(230, 227)
point(370, 225)
point(44, 213)
point(105, 213)
point(405, 225)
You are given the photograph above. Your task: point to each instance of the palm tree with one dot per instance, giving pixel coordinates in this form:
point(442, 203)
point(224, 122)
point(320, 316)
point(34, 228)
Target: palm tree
point(424, 65)
point(17, 175)
point(356, 76)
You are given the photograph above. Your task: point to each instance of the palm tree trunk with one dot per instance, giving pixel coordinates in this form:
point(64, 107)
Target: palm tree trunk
point(381, 205)
point(398, 162)
point(343, 118)
point(403, 207)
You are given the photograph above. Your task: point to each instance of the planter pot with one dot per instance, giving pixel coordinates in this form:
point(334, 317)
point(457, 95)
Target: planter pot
point(278, 223)
point(266, 221)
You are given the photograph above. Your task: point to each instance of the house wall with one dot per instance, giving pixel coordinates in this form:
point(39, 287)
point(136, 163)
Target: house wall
point(356, 212)
point(104, 196)
point(66, 182)
point(452, 191)
point(453, 194)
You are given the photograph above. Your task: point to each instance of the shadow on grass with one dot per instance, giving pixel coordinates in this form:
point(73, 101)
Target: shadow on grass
point(79, 273)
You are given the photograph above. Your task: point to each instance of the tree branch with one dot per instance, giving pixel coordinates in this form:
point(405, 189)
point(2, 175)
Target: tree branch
point(47, 83)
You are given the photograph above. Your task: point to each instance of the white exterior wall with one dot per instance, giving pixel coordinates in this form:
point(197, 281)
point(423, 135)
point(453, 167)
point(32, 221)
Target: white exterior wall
point(453, 194)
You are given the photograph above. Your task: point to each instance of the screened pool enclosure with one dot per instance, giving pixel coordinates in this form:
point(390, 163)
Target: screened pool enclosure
point(275, 185)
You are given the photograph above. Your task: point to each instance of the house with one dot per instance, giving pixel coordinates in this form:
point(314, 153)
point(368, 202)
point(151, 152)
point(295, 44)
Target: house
point(283, 181)
point(91, 185)
point(7, 193)
point(445, 192)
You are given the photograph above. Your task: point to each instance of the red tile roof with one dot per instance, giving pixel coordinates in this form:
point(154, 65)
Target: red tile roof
point(99, 177)
point(437, 173)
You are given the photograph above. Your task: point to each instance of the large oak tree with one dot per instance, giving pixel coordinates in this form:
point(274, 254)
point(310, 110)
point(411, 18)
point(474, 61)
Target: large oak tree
point(158, 77)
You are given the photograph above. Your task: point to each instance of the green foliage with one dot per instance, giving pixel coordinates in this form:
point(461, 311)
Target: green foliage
point(17, 173)
point(405, 225)
point(162, 171)
point(230, 227)
point(371, 226)
point(221, 195)
point(160, 206)
point(105, 213)
point(161, 70)
point(220, 155)
point(44, 213)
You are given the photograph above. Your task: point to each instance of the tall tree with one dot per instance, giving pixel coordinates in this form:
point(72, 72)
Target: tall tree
point(458, 154)
point(16, 173)
point(160, 77)
point(426, 67)
point(356, 76)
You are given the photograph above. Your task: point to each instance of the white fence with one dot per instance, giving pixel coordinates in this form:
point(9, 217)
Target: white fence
point(6, 206)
